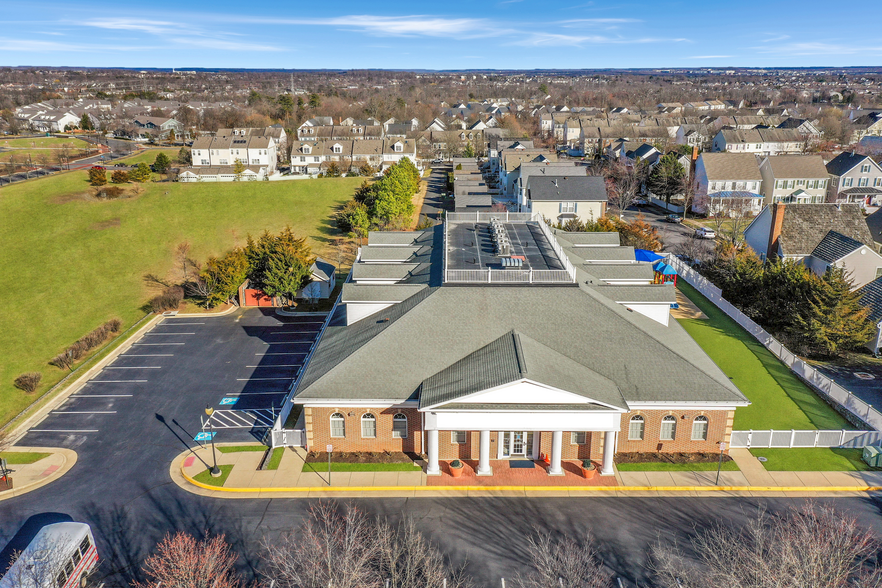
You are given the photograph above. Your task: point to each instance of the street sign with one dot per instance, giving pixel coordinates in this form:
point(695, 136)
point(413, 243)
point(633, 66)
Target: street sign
point(329, 448)
point(722, 447)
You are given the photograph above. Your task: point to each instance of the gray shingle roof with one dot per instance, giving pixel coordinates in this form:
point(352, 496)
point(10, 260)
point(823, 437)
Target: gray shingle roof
point(845, 162)
point(589, 254)
point(625, 271)
point(411, 238)
point(731, 166)
point(386, 271)
point(656, 293)
point(392, 253)
point(511, 358)
point(587, 239)
point(797, 166)
point(871, 297)
point(874, 223)
point(379, 292)
point(834, 246)
point(805, 225)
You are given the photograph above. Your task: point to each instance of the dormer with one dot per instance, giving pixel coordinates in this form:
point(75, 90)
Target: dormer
point(398, 146)
point(307, 149)
point(337, 148)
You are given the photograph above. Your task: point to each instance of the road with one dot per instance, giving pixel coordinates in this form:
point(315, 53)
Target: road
point(435, 192)
point(673, 235)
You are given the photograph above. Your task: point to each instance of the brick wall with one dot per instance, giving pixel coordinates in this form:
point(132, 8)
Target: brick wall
point(318, 423)
point(719, 429)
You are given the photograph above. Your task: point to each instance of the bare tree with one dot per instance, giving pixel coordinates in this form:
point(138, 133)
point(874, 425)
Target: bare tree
point(812, 546)
point(405, 558)
point(562, 562)
point(624, 181)
point(182, 561)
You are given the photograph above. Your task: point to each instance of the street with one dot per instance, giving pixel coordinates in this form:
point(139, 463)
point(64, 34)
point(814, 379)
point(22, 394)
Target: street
point(673, 235)
point(436, 191)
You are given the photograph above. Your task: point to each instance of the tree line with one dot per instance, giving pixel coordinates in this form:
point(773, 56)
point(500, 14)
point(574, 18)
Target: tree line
point(386, 203)
point(813, 315)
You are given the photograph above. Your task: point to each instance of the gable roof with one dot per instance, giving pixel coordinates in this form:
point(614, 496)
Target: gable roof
point(566, 188)
point(871, 297)
point(806, 225)
point(834, 246)
point(731, 166)
point(796, 166)
point(511, 358)
point(847, 161)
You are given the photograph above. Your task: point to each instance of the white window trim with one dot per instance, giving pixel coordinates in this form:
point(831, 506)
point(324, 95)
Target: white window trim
point(400, 417)
point(668, 419)
point(368, 417)
point(700, 419)
point(342, 420)
point(637, 419)
point(574, 438)
point(453, 440)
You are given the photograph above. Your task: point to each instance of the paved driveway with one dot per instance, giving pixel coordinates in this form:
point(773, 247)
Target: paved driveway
point(864, 381)
point(241, 364)
point(435, 191)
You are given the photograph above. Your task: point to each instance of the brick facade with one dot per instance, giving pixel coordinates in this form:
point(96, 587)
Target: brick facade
point(318, 426)
point(719, 428)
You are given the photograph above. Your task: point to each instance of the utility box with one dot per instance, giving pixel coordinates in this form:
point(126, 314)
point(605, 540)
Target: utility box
point(873, 456)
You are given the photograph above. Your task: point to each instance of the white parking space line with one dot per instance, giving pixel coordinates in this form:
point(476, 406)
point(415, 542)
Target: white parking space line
point(164, 334)
point(83, 412)
point(148, 355)
point(136, 367)
point(261, 354)
point(100, 395)
point(255, 379)
point(261, 393)
point(63, 431)
point(113, 381)
point(274, 365)
point(158, 343)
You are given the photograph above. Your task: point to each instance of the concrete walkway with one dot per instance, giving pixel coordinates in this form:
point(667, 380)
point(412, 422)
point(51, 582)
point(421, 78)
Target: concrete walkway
point(28, 477)
point(289, 480)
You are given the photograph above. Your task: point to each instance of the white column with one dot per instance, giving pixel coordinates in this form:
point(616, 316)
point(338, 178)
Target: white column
point(484, 468)
point(609, 451)
point(434, 469)
point(556, 444)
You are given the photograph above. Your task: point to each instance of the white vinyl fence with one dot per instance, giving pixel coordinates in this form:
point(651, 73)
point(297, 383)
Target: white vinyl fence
point(819, 382)
point(794, 438)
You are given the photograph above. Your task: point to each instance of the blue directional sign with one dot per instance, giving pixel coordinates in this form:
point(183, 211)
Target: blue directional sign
point(204, 436)
point(229, 400)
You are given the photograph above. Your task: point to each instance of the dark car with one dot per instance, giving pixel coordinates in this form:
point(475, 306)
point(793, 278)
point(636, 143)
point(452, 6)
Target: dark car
point(673, 218)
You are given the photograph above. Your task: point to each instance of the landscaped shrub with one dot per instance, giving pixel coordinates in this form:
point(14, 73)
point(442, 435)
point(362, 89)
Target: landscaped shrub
point(28, 381)
point(97, 175)
point(86, 343)
point(62, 361)
point(169, 299)
point(119, 177)
point(109, 192)
point(113, 325)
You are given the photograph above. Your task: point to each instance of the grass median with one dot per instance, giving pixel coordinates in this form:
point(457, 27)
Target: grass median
point(322, 467)
point(22, 457)
point(658, 466)
point(78, 261)
point(813, 459)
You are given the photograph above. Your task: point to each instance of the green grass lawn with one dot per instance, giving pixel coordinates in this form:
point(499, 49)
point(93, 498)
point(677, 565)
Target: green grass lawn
point(41, 142)
point(74, 263)
point(360, 467)
point(728, 466)
point(147, 156)
point(240, 448)
point(275, 458)
point(812, 459)
point(42, 147)
point(205, 477)
point(779, 400)
point(22, 457)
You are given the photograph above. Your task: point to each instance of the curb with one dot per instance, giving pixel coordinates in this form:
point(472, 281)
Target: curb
point(523, 489)
point(230, 310)
point(70, 460)
point(74, 386)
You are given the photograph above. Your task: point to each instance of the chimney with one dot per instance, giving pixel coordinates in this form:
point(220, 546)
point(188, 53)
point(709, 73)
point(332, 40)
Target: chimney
point(775, 231)
point(695, 153)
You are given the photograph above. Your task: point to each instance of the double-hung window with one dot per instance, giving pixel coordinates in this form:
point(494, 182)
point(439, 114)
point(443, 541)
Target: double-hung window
point(368, 426)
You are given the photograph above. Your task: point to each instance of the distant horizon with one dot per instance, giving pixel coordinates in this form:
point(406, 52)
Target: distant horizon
point(507, 35)
point(717, 68)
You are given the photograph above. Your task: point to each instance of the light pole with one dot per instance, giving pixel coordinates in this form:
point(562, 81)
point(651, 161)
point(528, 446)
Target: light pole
point(215, 472)
point(720, 463)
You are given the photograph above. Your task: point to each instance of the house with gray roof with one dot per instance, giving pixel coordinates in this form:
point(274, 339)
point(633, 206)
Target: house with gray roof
point(855, 178)
point(818, 235)
point(562, 197)
point(727, 184)
point(871, 298)
point(494, 341)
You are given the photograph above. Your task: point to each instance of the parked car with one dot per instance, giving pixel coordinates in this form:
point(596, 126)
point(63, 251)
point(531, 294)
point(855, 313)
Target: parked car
point(673, 218)
point(705, 233)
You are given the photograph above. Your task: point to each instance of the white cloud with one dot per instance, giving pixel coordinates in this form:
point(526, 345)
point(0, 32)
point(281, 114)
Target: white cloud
point(560, 40)
point(30, 45)
point(710, 56)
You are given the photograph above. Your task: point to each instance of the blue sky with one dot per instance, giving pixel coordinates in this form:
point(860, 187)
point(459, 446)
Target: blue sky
point(508, 34)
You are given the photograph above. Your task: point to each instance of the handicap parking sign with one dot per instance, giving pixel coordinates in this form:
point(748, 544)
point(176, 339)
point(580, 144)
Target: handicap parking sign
point(203, 436)
point(228, 400)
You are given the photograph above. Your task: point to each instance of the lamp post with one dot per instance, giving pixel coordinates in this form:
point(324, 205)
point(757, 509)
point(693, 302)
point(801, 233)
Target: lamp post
point(720, 463)
point(215, 472)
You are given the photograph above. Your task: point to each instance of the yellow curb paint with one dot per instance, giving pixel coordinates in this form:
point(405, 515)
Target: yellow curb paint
point(307, 489)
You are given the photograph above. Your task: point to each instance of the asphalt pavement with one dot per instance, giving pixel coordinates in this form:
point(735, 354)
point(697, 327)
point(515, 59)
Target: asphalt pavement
point(673, 235)
point(435, 192)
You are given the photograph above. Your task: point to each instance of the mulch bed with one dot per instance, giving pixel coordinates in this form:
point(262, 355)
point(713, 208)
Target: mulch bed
point(650, 457)
point(362, 457)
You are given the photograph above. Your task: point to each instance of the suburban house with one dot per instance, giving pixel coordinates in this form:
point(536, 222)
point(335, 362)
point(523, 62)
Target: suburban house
point(760, 141)
point(48, 120)
point(560, 198)
point(322, 281)
point(215, 158)
point(800, 179)
point(805, 127)
point(694, 135)
point(313, 157)
point(727, 184)
point(546, 168)
point(871, 297)
point(511, 159)
point(818, 235)
point(874, 222)
point(159, 126)
point(426, 353)
point(277, 132)
point(868, 125)
point(855, 178)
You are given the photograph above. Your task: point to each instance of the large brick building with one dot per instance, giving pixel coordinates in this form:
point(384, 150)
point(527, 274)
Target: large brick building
point(488, 341)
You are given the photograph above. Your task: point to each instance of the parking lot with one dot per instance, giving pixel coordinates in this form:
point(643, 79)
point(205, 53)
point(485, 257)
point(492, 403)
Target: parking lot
point(240, 364)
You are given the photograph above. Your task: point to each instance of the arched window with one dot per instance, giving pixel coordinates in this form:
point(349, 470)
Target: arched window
point(368, 425)
point(668, 428)
point(699, 428)
point(399, 426)
point(635, 428)
point(338, 425)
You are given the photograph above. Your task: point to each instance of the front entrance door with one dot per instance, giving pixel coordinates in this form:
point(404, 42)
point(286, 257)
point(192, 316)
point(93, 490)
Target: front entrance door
point(517, 444)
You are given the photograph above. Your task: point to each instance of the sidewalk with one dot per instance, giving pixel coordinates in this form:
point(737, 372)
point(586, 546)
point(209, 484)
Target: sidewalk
point(29, 477)
point(290, 481)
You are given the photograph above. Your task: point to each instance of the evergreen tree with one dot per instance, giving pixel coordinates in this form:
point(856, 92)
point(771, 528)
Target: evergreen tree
point(161, 163)
point(667, 178)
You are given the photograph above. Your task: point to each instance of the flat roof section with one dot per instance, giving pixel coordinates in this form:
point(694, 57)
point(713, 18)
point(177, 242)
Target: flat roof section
point(470, 247)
